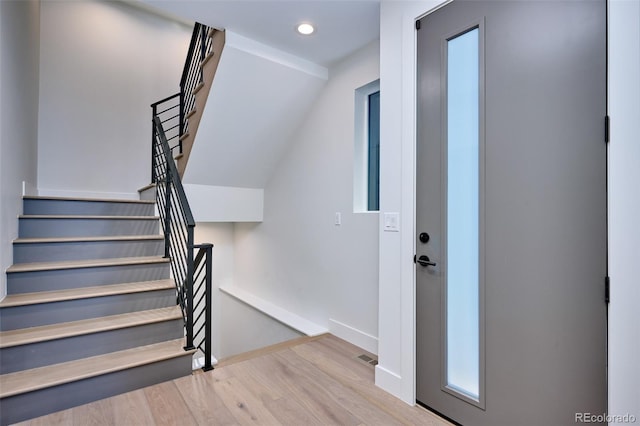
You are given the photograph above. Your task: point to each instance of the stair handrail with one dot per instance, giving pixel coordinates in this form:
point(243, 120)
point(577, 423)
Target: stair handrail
point(174, 110)
point(178, 226)
point(170, 125)
point(192, 74)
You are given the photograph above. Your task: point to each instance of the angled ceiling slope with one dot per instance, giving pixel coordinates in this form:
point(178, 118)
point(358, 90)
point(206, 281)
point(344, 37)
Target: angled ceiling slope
point(258, 98)
point(342, 26)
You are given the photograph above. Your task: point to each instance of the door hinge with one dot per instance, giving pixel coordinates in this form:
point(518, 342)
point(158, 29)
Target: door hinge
point(418, 24)
point(606, 128)
point(607, 287)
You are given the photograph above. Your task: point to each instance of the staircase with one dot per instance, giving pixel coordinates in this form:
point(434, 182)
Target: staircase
point(180, 114)
point(91, 311)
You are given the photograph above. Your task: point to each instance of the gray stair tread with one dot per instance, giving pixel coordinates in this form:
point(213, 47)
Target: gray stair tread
point(101, 200)
point(87, 217)
point(87, 239)
point(91, 263)
point(88, 326)
point(23, 299)
point(58, 374)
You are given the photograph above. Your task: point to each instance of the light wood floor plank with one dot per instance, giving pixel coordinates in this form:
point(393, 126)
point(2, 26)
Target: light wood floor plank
point(132, 408)
point(347, 397)
point(260, 384)
point(245, 407)
point(98, 413)
point(314, 382)
point(267, 350)
point(313, 396)
point(205, 404)
point(288, 411)
point(342, 368)
point(167, 405)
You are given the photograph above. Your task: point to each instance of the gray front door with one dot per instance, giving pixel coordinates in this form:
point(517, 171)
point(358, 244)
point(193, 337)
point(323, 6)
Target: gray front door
point(511, 212)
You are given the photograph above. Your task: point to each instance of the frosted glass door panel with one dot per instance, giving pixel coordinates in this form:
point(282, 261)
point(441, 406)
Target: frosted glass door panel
point(462, 280)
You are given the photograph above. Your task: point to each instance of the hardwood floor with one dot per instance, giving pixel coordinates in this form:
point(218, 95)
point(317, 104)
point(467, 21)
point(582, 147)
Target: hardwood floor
point(309, 381)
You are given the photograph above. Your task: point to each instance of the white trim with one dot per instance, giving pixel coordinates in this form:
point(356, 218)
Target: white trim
point(396, 372)
point(352, 335)
point(288, 318)
point(45, 192)
point(29, 189)
point(272, 54)
point(390, 382)
point(197, 362)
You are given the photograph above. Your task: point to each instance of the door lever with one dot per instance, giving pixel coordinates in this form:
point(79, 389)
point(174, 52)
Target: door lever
point(425, 261)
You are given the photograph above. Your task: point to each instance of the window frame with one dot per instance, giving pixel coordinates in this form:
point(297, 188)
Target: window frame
point(361, 169)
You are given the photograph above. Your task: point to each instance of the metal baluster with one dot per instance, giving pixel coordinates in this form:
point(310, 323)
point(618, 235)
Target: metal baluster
point(208, 301)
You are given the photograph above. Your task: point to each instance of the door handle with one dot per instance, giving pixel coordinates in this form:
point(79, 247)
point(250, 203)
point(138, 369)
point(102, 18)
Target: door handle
point(425, 261)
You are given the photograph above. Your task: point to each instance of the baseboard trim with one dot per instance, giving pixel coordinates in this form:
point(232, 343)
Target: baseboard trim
point(46, 192)
point(28, 189)
point(354, 336)
point(198, 362)
point(390, 382)
point(286, 317)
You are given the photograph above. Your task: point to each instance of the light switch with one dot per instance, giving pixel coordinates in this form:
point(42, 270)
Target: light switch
point(392, 222)
point(338, 219)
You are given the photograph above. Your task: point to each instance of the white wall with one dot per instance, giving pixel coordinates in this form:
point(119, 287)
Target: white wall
point(396, 369)
point(19, 63)
point(297, 258)
point(257, 100)
point(224, 204)
point(624, 207)
point(101, 65)
point(237, 328)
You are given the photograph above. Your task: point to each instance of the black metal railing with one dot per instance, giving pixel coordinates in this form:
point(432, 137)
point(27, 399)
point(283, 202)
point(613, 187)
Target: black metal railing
point(169, 112)
point(190, 263)
point(174, 111)
point(200, 47)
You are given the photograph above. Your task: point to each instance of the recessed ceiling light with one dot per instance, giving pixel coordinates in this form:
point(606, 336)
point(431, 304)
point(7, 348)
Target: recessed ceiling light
point(305, 28)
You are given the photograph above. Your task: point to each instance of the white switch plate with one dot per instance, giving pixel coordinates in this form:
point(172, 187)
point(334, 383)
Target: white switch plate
point(391, 222)
point(338, 219)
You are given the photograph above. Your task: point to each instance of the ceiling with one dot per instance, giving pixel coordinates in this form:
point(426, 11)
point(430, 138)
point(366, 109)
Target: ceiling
point(342, 26)
point(247, 125)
